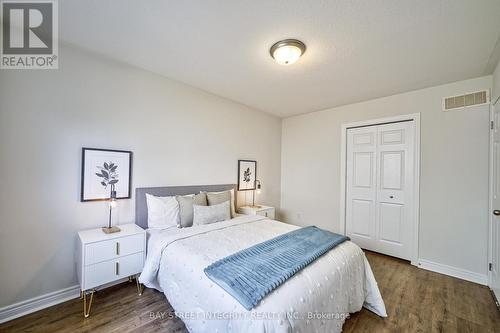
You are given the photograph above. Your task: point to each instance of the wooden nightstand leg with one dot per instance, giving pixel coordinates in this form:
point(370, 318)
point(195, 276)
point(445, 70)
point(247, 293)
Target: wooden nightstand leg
point(139, 286)
point(86, 312)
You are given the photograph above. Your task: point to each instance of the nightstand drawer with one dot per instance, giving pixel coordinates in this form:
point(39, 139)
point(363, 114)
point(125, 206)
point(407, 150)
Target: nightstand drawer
point(111, 270)
point(113, 248)
point(267, 213)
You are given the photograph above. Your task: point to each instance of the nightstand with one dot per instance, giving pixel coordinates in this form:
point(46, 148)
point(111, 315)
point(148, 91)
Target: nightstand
point(258, 210)
point(105, 258)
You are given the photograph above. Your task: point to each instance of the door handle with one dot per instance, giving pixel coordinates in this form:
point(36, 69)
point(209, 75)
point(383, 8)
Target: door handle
point(496, 212)
point(391, 196)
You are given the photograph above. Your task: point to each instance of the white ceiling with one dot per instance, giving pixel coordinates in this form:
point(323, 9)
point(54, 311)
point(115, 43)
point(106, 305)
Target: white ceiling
point(356, 49)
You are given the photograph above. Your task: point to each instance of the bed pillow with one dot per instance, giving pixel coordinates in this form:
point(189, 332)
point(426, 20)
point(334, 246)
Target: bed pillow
point(186, 203)
point(211, 214)
point(215, 198)
point(163, 212)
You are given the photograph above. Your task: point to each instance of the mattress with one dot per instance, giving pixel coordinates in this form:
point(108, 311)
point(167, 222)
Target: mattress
point(318, 298)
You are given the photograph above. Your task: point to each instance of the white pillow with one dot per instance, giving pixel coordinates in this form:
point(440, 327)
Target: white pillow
point(163, 212)
point(231, 191)
point(211, 214)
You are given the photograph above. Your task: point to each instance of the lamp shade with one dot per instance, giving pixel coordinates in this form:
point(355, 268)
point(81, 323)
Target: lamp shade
point(259, 186)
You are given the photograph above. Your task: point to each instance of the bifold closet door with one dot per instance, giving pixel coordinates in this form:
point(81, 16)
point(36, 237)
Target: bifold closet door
point(361, 182)
point(379, 187)
point(494, 281)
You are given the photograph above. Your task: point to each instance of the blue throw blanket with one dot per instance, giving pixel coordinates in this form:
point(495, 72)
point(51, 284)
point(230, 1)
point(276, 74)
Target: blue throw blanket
point(251, 274)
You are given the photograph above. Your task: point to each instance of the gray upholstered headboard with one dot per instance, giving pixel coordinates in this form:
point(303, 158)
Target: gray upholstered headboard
point(141, 207)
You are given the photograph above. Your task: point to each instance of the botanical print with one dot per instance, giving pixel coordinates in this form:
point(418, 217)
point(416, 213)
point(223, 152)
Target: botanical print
point(105, 171)
point(246, 175)
point(108, 174)
point(247, 171)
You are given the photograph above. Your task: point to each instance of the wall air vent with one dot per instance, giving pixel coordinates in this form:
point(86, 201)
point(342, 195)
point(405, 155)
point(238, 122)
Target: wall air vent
point(465, 101)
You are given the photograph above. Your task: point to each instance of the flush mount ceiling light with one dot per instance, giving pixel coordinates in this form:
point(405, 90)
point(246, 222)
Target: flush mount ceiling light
point(287, 51)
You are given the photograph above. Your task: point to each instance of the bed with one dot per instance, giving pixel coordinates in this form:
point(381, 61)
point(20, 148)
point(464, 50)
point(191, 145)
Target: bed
point(318, 298)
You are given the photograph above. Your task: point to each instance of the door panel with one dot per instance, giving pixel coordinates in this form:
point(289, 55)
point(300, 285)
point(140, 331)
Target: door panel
point(392, 137)
point(362, 211)
point(380, 183)
point(363, 166)
point(361, 177)
point(395, 190)
point(391, 219)
point(392, 170)
point(363, 138)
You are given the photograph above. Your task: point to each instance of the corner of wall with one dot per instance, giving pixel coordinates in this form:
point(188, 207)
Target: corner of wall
point(496, 84)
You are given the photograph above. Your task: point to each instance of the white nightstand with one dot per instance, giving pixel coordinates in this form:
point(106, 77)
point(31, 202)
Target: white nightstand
point(258, 210)
point(104, 258)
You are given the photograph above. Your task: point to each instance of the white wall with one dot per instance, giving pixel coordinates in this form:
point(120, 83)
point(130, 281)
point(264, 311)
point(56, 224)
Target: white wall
point(496, 82)
point(454, 170)
point(179, 136)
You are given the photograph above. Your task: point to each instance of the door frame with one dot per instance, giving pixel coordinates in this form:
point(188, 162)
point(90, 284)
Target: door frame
point(416, 195)
point(490, 189)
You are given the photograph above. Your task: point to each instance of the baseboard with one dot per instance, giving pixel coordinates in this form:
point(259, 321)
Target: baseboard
point(23, 308)
point(38, 303)
point(453, 271)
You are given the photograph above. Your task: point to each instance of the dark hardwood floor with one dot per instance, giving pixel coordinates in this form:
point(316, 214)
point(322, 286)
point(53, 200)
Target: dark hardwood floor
point(416, 301)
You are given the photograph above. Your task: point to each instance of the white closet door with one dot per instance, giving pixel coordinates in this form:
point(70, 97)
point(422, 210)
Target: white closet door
point(395, 189)
point(495, 201)
point(361, 204)
point(379, 205)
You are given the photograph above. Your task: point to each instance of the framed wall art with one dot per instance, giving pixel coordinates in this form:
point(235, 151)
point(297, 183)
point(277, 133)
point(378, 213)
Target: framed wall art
point(247, 173)
point(104, 171)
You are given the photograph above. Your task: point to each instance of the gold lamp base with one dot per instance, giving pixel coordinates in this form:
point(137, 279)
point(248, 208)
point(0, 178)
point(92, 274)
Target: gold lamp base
point(255, 206)
point(111, 230)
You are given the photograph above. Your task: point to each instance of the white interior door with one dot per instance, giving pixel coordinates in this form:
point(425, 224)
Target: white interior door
point(379, 187)
point(495, 202)
point(361, 186)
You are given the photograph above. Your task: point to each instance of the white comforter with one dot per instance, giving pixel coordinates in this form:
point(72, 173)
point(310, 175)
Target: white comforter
point(317, 299)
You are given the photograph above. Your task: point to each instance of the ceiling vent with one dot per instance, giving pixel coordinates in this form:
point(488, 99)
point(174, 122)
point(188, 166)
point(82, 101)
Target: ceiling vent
point(465, 101)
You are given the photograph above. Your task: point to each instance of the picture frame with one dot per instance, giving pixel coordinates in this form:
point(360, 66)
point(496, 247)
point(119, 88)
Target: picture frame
point(103, 171)
point(247, 174)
